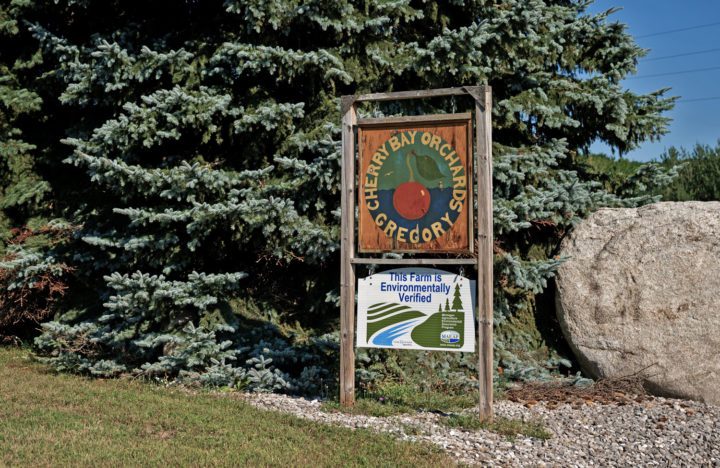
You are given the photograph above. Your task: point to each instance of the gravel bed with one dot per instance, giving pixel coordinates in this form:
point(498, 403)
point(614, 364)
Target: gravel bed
point(655, 432)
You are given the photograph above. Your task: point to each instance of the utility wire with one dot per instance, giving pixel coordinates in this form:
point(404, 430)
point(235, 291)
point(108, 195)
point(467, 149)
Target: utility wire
point(682, 72)
point(671, 31)
point(709, 98)
point(684, 54)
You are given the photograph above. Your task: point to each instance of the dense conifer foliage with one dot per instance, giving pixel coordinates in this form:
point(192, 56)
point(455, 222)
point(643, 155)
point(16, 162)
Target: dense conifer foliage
point(191, 149)
point(698, 173)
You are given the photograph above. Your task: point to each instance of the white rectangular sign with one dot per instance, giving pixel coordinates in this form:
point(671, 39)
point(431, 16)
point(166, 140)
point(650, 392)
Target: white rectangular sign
point(416, 308)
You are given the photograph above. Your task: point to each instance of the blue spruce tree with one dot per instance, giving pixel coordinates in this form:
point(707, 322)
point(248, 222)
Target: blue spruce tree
point(202, 139)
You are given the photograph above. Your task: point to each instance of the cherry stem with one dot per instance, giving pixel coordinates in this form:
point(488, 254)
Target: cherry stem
point(407, 163)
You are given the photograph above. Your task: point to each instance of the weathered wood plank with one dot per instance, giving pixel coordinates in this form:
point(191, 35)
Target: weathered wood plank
point(419, 94)
point(410, 119)
point(414, 261)
point(470, 197)
point(347, 252)
point(483, 113)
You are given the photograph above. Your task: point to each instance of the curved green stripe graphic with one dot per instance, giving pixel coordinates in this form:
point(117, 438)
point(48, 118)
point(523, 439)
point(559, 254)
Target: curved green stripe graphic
point(387, 316)
point(376, 310)
point(374, 327)
point(387, 311)
point(379, 307)
point(437, 330)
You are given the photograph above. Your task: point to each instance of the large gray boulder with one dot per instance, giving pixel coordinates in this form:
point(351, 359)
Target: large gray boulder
point(640, 293)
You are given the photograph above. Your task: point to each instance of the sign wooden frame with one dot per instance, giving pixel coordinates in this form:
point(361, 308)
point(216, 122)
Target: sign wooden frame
point(484, 233)
point(458, 240)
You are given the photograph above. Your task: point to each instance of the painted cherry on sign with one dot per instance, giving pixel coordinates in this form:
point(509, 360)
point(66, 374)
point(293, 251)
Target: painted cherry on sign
point(411, 199)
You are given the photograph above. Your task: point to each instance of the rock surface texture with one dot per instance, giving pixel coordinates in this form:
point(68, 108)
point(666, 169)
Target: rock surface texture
point(640, 293)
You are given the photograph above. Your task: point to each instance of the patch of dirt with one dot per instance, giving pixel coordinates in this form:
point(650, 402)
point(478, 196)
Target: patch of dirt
point(617, 391)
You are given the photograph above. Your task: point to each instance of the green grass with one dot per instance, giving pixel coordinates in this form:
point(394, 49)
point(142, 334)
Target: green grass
point(48, 419)
point(510, 428)
point(393, 399)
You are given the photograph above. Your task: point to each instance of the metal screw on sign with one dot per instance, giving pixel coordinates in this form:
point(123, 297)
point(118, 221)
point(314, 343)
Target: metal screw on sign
point(461, 274)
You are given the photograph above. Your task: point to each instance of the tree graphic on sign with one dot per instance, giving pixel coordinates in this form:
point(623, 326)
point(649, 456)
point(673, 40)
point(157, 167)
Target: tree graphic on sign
point(447, 305)
point(457, 302)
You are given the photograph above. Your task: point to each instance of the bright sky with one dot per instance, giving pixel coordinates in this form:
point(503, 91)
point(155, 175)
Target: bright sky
point(654, 24)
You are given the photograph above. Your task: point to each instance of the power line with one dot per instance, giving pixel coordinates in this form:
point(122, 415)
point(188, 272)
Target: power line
point(682, 72)
point(671, 31)
point(684, 54)
point(709, 98)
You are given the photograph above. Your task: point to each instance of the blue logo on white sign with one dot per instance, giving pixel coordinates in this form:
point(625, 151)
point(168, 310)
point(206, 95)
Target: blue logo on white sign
point(450, 336)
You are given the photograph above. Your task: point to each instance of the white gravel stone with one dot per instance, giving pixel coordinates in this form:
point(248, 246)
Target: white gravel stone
point(656, 432)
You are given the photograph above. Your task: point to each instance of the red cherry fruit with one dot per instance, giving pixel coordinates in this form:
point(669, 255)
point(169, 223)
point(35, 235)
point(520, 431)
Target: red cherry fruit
point(411, 200)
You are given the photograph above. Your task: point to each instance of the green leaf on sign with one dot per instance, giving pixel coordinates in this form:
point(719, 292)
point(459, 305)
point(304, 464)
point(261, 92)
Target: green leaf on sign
point(427, 167)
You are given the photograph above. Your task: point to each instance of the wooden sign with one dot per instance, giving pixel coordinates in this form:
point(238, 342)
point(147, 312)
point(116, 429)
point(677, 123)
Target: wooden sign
point(411, 188)
point(415, 184)
point(416, 308)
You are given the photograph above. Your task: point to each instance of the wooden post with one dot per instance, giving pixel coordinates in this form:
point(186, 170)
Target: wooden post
point(483, 123)
point(347, 253)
